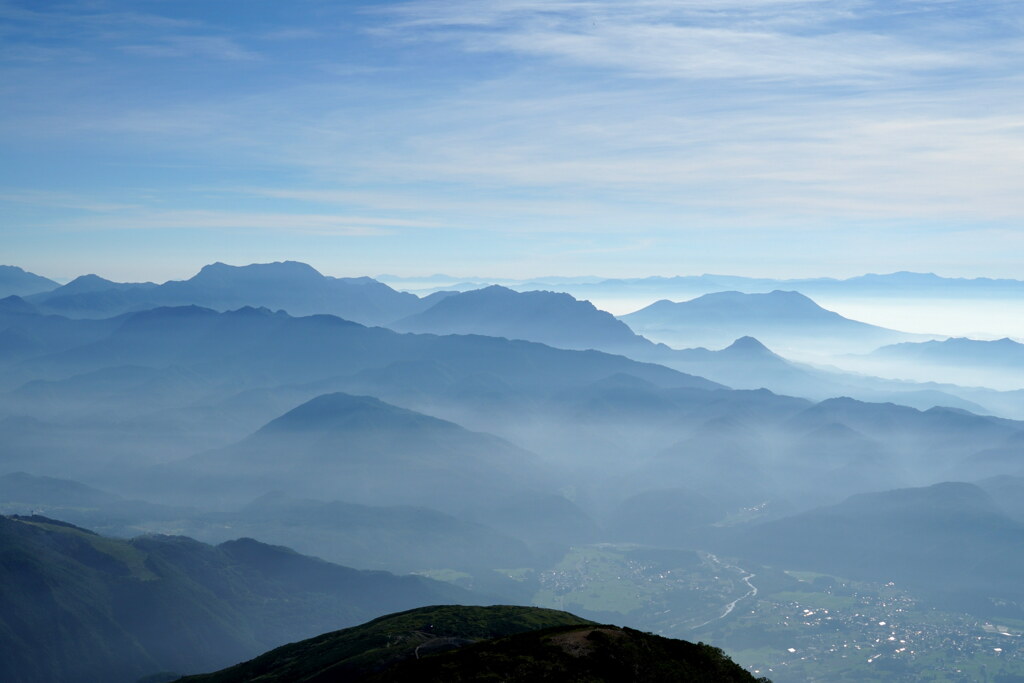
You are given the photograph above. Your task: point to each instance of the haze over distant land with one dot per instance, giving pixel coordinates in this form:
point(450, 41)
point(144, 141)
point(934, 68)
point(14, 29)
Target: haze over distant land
point(513, 447)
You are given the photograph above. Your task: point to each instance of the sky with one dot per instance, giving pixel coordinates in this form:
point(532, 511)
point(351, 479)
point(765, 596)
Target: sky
point(513, 138)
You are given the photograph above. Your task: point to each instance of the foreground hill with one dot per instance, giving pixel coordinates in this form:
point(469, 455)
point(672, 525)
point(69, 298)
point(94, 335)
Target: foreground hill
point(75, 606)
point(295, 287)
point(485, 643)
point(780, 319)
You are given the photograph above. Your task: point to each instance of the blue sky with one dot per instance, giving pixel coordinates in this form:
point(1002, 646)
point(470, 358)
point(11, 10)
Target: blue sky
point(514, 138)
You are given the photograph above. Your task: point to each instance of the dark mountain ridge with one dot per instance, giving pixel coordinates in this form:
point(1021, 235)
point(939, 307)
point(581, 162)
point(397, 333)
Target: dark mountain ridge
point(76, 606)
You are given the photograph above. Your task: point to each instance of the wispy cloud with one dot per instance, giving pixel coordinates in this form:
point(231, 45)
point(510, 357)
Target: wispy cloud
point(322, 224)
point(61, 199)
point(213, 47)
point(769, 40)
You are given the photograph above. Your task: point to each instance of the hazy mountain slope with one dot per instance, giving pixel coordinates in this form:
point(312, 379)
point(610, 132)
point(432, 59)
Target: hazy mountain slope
point(362, 450)
point(1008, 493)
point(140, 379)
point(397, 538)
point(289, 285)
point(949, 537)
point(18, 282)
point(958, 351)
point(998, 364)
point(936, 441)
point(781, 319)
point(550, 318)
point(485, 643)
point(85, 506)
point(26, 332)
point(75, 606)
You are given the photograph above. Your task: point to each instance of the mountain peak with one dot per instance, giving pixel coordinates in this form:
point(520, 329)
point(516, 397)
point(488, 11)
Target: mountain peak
point(87, 283)
point(330, 410)
point(15, 304)
point(748, 345)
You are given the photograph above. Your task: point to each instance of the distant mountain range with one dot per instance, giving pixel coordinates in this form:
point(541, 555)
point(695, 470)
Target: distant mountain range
point(75, 606)
point(745, 362)
point(501, 643)
point(902, 283)
point(1001, 353)
point(780, 319)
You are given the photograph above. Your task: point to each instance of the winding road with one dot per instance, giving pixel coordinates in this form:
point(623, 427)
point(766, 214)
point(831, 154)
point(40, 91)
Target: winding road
point(732, 605)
